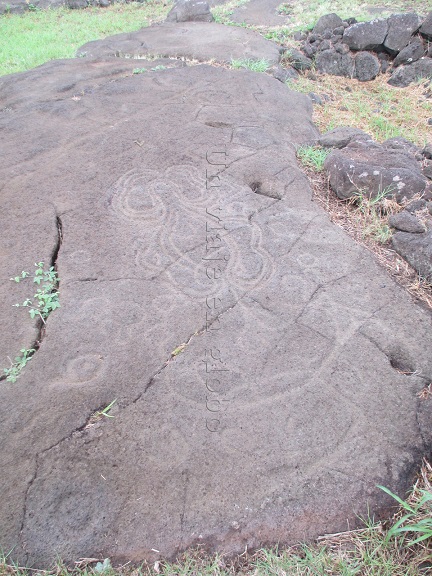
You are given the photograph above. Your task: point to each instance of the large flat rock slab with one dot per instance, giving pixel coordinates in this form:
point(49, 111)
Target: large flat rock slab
point(265, 370)
point(202, 41)
point(260, 13)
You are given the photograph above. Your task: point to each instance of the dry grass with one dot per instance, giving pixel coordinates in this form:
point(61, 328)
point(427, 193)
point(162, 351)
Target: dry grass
point(345, 213)
point(375, 107)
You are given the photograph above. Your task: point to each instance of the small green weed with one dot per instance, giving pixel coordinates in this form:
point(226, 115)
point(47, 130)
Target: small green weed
point(313, 156)
point(285, 9)
point(159, 67)
point(139, 70)
point(18, 364)
point(422, 527)
point(44, 302)
point(249, 64)
point(178, 350)
point(104, 413)
point(280, 34)
point(46, 299)
point(374, 211)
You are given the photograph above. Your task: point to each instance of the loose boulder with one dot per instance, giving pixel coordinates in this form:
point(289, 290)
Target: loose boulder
point(417, 250)
point(411, 53)
point(426, 27)
point(328, 22)
point(368, 168)
point(366, 35)
point(190, 11)
point(333, 62)
point(298, 60)
point(406, 222)
point(367, 66)
point(404, 75)
point(341, 137)
point(400, 29)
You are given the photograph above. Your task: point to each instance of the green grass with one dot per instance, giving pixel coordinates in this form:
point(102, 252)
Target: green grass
point(313, 156)
point(35, 37)
point(250, 64)
point(222, 12)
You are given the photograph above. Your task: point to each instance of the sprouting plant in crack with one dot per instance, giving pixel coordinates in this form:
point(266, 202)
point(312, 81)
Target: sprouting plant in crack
point(40, 306)
point(99, 414)
point(178, 350)
point(46, 299)
point(18, 364)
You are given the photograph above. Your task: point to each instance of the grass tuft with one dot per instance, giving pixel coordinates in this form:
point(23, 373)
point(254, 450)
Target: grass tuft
point(313, 156)
point(375, 211)
point(250, 64)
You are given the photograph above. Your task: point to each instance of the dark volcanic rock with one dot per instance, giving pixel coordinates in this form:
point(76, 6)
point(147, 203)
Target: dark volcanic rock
point(406, 222)
point(298, 60)
point(283, 74)
point(327, 22)
point(366, 35)
point(427, 151)
point(13, 7)
point(332, 62)
point(316, 99)
point(77, 4)
point(426, 27)
point(300, 36)
point(251, 345)
point(372, 168)
point(385, 61)
point(190, 11)
point(400, 144)
point(339, 30)
point(410, 53)
point(341, 48)
point(340, 137)
point(427, 170)
point(400, 29)
point(324, 45)
point(416, 205)
point(309, 49)
point(194, 40)
point(404, 75)
point(417, 250)
point(367, 66)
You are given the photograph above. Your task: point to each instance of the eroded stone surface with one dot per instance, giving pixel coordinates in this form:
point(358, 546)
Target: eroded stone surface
point(193, 40)
point(261, 13)
point(187, 226)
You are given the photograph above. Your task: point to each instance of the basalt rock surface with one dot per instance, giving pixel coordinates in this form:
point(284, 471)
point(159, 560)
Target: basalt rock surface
point(265, 370)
